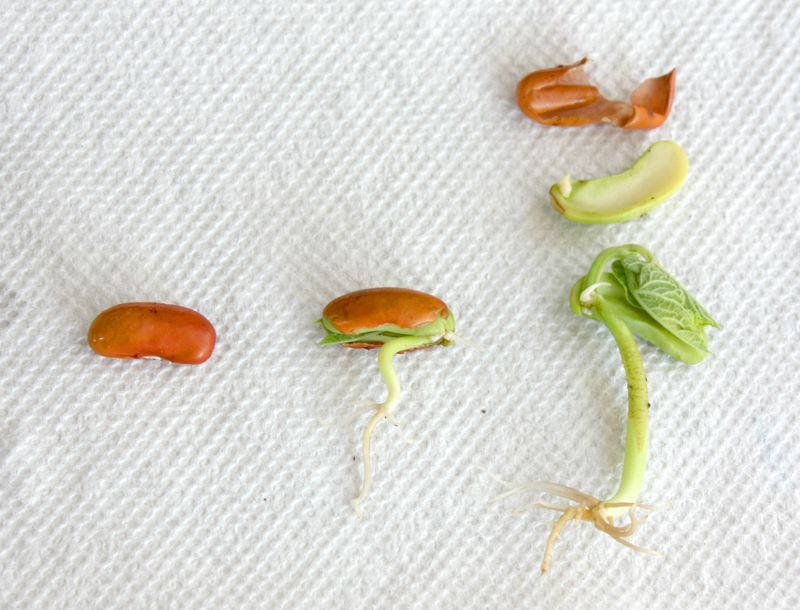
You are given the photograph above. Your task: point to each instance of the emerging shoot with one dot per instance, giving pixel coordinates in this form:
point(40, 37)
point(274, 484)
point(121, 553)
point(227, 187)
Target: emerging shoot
point(654, 178)
point(396, 320)
point(638, 297)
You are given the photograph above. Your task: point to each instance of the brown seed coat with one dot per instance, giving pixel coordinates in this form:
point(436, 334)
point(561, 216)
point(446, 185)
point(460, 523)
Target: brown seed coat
point(138, 330)
point(564, 96)
point(366, 309)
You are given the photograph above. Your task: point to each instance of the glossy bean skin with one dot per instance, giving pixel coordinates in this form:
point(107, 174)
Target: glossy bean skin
point(142, 330)
point(373, 307)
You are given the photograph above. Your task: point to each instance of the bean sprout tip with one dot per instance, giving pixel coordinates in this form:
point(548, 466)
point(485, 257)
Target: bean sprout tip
point(565, 186)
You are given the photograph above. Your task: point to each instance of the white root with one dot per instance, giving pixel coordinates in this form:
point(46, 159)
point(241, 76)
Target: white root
point(398, 425)
point(366, 408)
point(458, 338)
point(587, 508)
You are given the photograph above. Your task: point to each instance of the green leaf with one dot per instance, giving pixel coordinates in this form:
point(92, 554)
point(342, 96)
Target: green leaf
point(642, 324)
point(336, 338)
point(622, 277)
point(663, 297)
point(368, 337)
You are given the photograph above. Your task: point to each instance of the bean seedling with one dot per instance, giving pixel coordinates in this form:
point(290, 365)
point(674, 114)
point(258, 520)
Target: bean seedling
point(654, 178)
point(395, 320)
point(638, 297)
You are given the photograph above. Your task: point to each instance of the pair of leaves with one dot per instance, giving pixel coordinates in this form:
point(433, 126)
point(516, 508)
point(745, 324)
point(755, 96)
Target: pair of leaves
point(370, 336)
point(650, 287)
point(334, 338)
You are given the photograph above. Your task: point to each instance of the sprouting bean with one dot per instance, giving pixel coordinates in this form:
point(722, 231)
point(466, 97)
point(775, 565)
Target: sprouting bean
point(396, 320)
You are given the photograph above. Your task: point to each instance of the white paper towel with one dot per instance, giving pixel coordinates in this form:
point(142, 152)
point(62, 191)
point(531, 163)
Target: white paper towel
point(255, 160)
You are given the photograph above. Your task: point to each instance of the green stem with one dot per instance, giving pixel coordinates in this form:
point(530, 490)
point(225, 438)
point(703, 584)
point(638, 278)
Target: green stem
point(638, 411)
point(608, 255)
point(387, 352)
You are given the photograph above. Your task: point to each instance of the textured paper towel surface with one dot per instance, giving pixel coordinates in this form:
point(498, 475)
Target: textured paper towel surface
point(255, 160)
